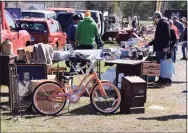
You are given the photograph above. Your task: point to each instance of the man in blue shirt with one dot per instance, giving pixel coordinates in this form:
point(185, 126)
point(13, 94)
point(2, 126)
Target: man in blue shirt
point(72, 30)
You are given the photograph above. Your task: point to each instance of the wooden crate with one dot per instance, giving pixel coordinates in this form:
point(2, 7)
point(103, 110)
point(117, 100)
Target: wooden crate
point(133, 95)
point(151, 69)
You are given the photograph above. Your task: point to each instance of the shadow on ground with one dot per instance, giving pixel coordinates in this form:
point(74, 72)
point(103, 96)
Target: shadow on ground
point(164, 118)
point(83, 110)
point(154, 86)
point(185, 91)
point(178, 82)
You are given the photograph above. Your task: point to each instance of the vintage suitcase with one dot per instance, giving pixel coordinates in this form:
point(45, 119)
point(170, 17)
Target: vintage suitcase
point(133, 93)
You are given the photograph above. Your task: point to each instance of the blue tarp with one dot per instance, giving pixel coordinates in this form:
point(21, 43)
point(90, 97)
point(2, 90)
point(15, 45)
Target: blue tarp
point(14, 12)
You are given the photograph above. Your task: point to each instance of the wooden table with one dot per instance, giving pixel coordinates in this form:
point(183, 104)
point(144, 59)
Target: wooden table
point(127, 67)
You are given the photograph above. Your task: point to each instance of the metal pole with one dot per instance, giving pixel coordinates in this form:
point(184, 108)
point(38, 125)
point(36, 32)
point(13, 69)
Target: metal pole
point(16, 4)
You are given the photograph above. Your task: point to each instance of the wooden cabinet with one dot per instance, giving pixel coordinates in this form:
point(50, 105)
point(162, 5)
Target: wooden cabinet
point(133, 95)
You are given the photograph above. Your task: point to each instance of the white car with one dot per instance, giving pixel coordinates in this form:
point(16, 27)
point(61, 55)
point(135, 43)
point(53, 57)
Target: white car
point(38, 14)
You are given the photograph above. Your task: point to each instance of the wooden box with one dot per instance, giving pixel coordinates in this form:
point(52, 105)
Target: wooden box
point(133, 95)
point(151, 69)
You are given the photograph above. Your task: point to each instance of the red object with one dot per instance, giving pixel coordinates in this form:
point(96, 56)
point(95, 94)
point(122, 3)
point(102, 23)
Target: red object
point(50, 32)
point(122, 37)
point(19, 38)
point(176, 31)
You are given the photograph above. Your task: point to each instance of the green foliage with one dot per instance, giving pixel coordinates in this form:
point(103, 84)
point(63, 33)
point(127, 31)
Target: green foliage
point(144, 9)
point(101, 6)
point(177, 5)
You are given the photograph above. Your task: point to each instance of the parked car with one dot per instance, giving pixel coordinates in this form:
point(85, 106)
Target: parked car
point(38, 14)
point(65, 18)
point(10, 30)
point(98, 17)
point(46, 31)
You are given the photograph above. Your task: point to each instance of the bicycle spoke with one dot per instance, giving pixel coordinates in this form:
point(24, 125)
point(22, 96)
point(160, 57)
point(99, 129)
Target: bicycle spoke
point(45, 92)
point(110, 102)
point(45, 102)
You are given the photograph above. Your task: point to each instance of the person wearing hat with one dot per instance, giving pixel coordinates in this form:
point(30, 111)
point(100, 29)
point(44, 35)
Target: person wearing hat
point(161, 42)
point(72, 30)
point(87, 32)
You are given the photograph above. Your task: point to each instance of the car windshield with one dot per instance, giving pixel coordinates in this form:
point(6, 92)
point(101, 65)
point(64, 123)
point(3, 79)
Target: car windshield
point(34, 26)
point(33, 14)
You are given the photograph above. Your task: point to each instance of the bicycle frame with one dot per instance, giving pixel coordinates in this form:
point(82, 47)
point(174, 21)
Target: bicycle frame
point(81, 88)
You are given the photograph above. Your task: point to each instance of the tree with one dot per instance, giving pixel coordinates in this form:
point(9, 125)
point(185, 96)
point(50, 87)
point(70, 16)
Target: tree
point(101, 6)
point(143, 9)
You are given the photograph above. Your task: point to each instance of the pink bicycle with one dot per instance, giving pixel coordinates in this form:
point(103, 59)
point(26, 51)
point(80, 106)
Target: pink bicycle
point(50, 97)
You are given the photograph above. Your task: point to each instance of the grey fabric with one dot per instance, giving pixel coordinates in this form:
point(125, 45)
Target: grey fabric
point(43, 53)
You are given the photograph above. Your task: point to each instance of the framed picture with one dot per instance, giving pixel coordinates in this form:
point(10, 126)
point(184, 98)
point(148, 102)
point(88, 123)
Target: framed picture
point(21, 87)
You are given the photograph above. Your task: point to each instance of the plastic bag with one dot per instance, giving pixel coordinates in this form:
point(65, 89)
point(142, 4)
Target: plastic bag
point(167, 68)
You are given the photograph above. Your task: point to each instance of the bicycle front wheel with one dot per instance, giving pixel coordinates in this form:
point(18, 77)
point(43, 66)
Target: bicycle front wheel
point(108, 104)
point(43, 101)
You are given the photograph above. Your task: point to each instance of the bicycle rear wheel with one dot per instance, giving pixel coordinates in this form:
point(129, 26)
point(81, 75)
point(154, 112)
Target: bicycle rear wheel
point(108, 104)
point(41, 100)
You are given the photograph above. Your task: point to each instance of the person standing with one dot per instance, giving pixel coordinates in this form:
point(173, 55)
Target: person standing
point(180, 27)
point(72, 30)
point(87, 32)
point(134, 23)
point(161, 40)
point(184, 46)
point(174, 44)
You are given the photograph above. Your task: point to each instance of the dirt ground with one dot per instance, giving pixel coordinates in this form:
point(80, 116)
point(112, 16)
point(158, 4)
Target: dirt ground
point(165, 111)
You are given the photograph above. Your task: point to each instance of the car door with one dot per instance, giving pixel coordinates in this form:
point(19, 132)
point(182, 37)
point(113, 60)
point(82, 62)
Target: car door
point(54, 34)
point(13, 33)
point(61, 35)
